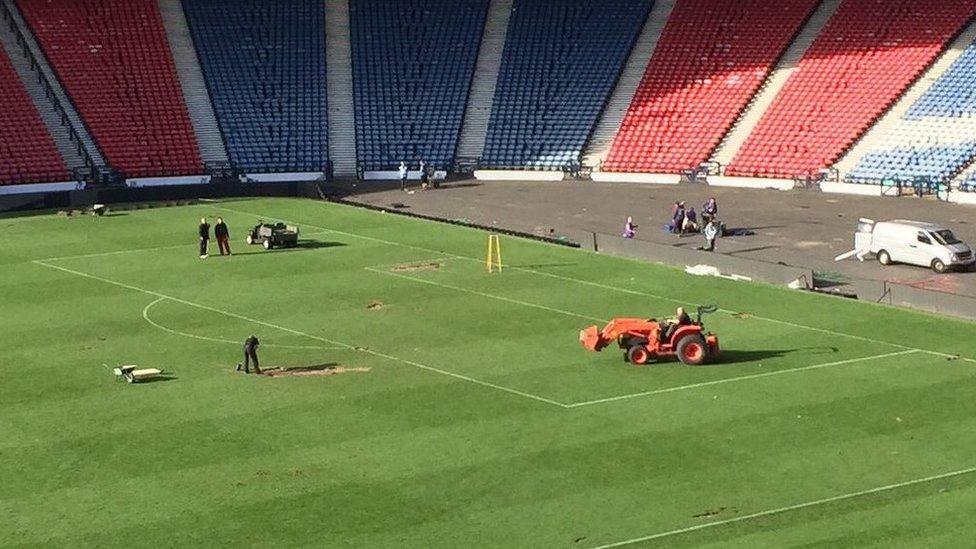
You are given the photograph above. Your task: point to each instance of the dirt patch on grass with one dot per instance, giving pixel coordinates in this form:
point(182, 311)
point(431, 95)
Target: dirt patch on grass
point(375, 305)
point(312, 371)
point(709, 513)
point(413, 267)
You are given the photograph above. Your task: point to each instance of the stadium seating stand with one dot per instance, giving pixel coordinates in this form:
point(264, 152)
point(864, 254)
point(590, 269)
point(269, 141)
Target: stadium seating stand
point(113, 60)
point(560, 63)
point(710, 60)
point(264, 64)
point(413, 61)
point(27, 151)
point(863, 60)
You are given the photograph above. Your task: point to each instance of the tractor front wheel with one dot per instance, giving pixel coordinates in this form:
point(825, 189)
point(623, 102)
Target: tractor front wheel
point(693, 350)
point(638, 355)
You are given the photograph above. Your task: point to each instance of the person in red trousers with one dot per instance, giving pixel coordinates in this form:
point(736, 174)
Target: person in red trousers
point(223, 236)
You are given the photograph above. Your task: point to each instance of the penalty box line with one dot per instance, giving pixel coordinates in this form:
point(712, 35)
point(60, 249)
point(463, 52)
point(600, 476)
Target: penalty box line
point(789, 508)
point(656, 391)
point(340, 344)
point(607, 287)
point(741, 378)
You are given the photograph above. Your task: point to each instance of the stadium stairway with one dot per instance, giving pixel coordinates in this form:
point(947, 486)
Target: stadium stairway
point(774, 83)
point(342, 108)
point(884, 134)
point(209, 140)
point(43, 69)
point(630, 79)
point(59, 132)
point(474, 129)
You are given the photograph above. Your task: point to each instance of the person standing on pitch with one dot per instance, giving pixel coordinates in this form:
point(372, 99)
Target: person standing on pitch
point(250, 354)
point(204, 237)
point(403, 176)
point(223, 236)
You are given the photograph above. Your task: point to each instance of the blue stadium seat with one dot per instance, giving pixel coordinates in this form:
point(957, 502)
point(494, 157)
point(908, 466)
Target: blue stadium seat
point(264, 63)
point(561, 61)
point(413, 61)
point(936, 137)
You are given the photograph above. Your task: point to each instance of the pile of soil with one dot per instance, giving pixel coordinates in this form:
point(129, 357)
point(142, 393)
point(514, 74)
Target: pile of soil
point(375, 305)
point(302, 371)
point(411, 267)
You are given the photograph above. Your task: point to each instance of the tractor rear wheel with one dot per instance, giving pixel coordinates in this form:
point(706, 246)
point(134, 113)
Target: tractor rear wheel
point(693, 350)
point(638, 355)
point(267, 244)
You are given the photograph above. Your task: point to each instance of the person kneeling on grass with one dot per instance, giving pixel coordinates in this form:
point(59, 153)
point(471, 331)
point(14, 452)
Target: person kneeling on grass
point(250, 354)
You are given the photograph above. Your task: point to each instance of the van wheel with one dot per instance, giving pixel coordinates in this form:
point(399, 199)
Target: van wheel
point(938, 266)
point(884, 258)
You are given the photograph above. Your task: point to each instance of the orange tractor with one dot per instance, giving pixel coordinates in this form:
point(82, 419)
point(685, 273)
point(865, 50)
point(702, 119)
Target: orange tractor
point(647, 340)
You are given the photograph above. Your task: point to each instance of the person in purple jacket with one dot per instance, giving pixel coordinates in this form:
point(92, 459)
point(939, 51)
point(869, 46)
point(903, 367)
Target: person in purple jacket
point(630, 230)
point(709, 210)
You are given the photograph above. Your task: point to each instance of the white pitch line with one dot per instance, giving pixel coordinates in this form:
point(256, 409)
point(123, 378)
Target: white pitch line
point(310, 336)
point(145, 316)
point(484, 294)
point(606, 286)
point(740, 378)
point(797, 507)
point(118, 252)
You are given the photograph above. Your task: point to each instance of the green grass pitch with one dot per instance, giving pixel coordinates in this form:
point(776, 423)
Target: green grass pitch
point(480, 420)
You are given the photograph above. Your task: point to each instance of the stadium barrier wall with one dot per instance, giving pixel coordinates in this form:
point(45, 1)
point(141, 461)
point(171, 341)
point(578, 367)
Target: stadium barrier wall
point(83, 198)
point(961, 197)
point(518, 175)
point(648, 178)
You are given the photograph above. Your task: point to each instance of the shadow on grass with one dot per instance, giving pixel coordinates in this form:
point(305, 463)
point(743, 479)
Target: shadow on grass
point(736, 357)
point(157, 379)
point(316, 368)
point(538, 265)
point(305, 245)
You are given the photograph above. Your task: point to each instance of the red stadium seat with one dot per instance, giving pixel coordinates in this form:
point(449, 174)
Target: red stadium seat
point(863, 60)
point(710, 60)
point(113, 59)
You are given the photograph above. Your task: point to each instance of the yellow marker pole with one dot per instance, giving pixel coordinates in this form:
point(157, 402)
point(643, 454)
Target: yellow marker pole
point(494, 256)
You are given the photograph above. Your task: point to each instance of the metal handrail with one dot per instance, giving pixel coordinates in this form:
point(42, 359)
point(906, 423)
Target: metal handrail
point(49, 90)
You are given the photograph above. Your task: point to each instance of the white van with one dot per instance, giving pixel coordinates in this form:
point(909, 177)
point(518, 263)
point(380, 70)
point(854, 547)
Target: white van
point(914, 243)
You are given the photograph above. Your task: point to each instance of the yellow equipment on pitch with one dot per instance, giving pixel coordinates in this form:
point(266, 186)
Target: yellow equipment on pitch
point(493, 259)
